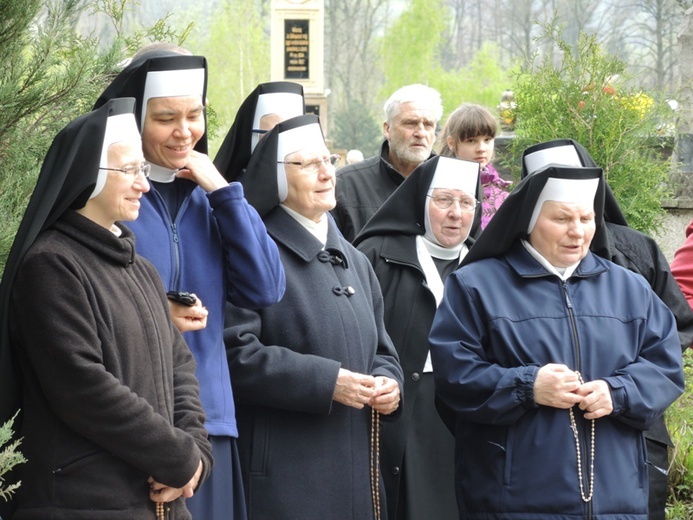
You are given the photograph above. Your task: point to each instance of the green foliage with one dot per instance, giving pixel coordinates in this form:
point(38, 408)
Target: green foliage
point(481, 81)
point(51, 75)
point(355, 127)
point(680, 423)
point(585, 98)
point(239, 59)
point(410, 49)
point(9, 458)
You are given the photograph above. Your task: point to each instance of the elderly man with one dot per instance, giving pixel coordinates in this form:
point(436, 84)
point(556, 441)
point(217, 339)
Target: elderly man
point(411, 116)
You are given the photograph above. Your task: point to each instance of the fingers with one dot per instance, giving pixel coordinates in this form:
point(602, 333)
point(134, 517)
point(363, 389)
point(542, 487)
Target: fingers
point(596, 399)
point(386, 396)
point(201, 170)
point(187, 318)
point(353, 389)
point(556, 386)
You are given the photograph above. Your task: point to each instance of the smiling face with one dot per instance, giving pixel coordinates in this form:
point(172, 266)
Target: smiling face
point(450, 226)
point(563, 232)
point(478, 149)
point(310, 194)
point(120, 197)
point(172, 128)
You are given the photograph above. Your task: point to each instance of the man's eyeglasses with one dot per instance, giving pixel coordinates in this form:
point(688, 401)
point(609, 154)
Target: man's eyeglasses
point(467, 204)
point(133, 171)
point(313, 165)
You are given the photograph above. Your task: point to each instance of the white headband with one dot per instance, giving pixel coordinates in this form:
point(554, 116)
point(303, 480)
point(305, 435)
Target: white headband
point(172, 83)
point(293, 140)
point(576, 191)
point(455, 174)
point(121, 127)
point(287, 104)
point(566, 155)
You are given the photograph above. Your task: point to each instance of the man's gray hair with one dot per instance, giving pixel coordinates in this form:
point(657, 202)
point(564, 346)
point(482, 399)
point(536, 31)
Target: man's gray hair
point(418, 93)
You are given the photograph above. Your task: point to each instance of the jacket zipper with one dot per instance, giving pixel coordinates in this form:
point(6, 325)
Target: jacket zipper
point(578, 363)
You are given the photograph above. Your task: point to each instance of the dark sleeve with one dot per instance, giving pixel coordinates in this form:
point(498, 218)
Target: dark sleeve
point(640, 253)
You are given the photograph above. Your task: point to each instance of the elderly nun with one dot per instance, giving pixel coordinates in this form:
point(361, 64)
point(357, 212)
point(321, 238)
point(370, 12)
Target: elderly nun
point(552, 361)
point(639, 253)
point(313, 373)
point(417, 237)
point(112, 423)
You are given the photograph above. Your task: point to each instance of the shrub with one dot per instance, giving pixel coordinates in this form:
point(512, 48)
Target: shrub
point(586, 97)
point(9, 458)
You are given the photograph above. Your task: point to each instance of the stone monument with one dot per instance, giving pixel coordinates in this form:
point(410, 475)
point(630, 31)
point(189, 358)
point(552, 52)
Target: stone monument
point(297, 50)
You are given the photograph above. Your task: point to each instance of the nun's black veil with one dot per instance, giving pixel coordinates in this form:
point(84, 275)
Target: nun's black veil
point(234, 154)
point(260, 183)
point(67, 179)
point(130, 82)
point(404, 211)
point(512, 219)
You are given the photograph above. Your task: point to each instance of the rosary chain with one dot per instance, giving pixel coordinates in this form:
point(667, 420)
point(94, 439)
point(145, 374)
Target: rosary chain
point(573, 426)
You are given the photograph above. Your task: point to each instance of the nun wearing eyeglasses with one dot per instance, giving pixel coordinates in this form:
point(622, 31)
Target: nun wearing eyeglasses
point(112, 423)
point(552, 361)
point(414, 241)
point(312, 373)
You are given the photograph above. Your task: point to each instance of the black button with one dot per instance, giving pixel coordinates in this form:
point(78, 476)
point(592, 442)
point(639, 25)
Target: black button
point(416, 376)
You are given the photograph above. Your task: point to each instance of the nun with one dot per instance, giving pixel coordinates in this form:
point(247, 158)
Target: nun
point(414, 241)
point(208, 244)
point(267, 105)
point(112, 423)
point(639, 253)
point(313, 373)
point(552, 360)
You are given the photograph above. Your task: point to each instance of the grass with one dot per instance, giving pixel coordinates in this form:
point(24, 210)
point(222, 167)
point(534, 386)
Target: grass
point(680, 422)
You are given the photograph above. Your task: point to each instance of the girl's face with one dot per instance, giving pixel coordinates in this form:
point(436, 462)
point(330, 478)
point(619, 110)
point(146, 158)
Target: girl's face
point(478, 149)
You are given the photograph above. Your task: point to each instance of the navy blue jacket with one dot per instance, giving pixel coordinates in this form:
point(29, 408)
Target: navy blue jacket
point(502, 319)
point(217, 248)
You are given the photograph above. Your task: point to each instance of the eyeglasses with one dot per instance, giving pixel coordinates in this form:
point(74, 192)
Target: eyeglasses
point(313, 165)
point(133, 171)
point(259, 131)
point(467, 204)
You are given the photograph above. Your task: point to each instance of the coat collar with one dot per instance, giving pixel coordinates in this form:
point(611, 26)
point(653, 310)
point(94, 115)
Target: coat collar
point(119, 250)
point(525, 266)
point(285, 230)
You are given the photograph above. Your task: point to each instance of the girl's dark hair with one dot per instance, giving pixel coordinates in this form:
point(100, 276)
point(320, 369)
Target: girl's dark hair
point(467, 121)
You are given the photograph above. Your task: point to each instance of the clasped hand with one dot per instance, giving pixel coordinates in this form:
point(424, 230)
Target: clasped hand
point(162, 493)
point(560, 387)
point(358, 390)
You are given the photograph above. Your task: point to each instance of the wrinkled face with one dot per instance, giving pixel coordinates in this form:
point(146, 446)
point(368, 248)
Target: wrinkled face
point(120, 197)
point(310, 194)
point(563, 232)
point(450, 226)
point(172, 128)
point(478, 149)
point(412, 132)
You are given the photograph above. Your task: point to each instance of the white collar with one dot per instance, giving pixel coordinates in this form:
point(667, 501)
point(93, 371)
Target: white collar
point(562, 272)
point(161, 174)
point(317, 229)
point(443, 253)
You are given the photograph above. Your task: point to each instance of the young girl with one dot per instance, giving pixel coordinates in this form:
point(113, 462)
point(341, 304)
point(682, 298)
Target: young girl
point(469, 134)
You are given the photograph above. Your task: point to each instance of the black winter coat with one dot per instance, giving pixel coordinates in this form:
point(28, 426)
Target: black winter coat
point(109, 389)
point(303, 454)
point(409, 310)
